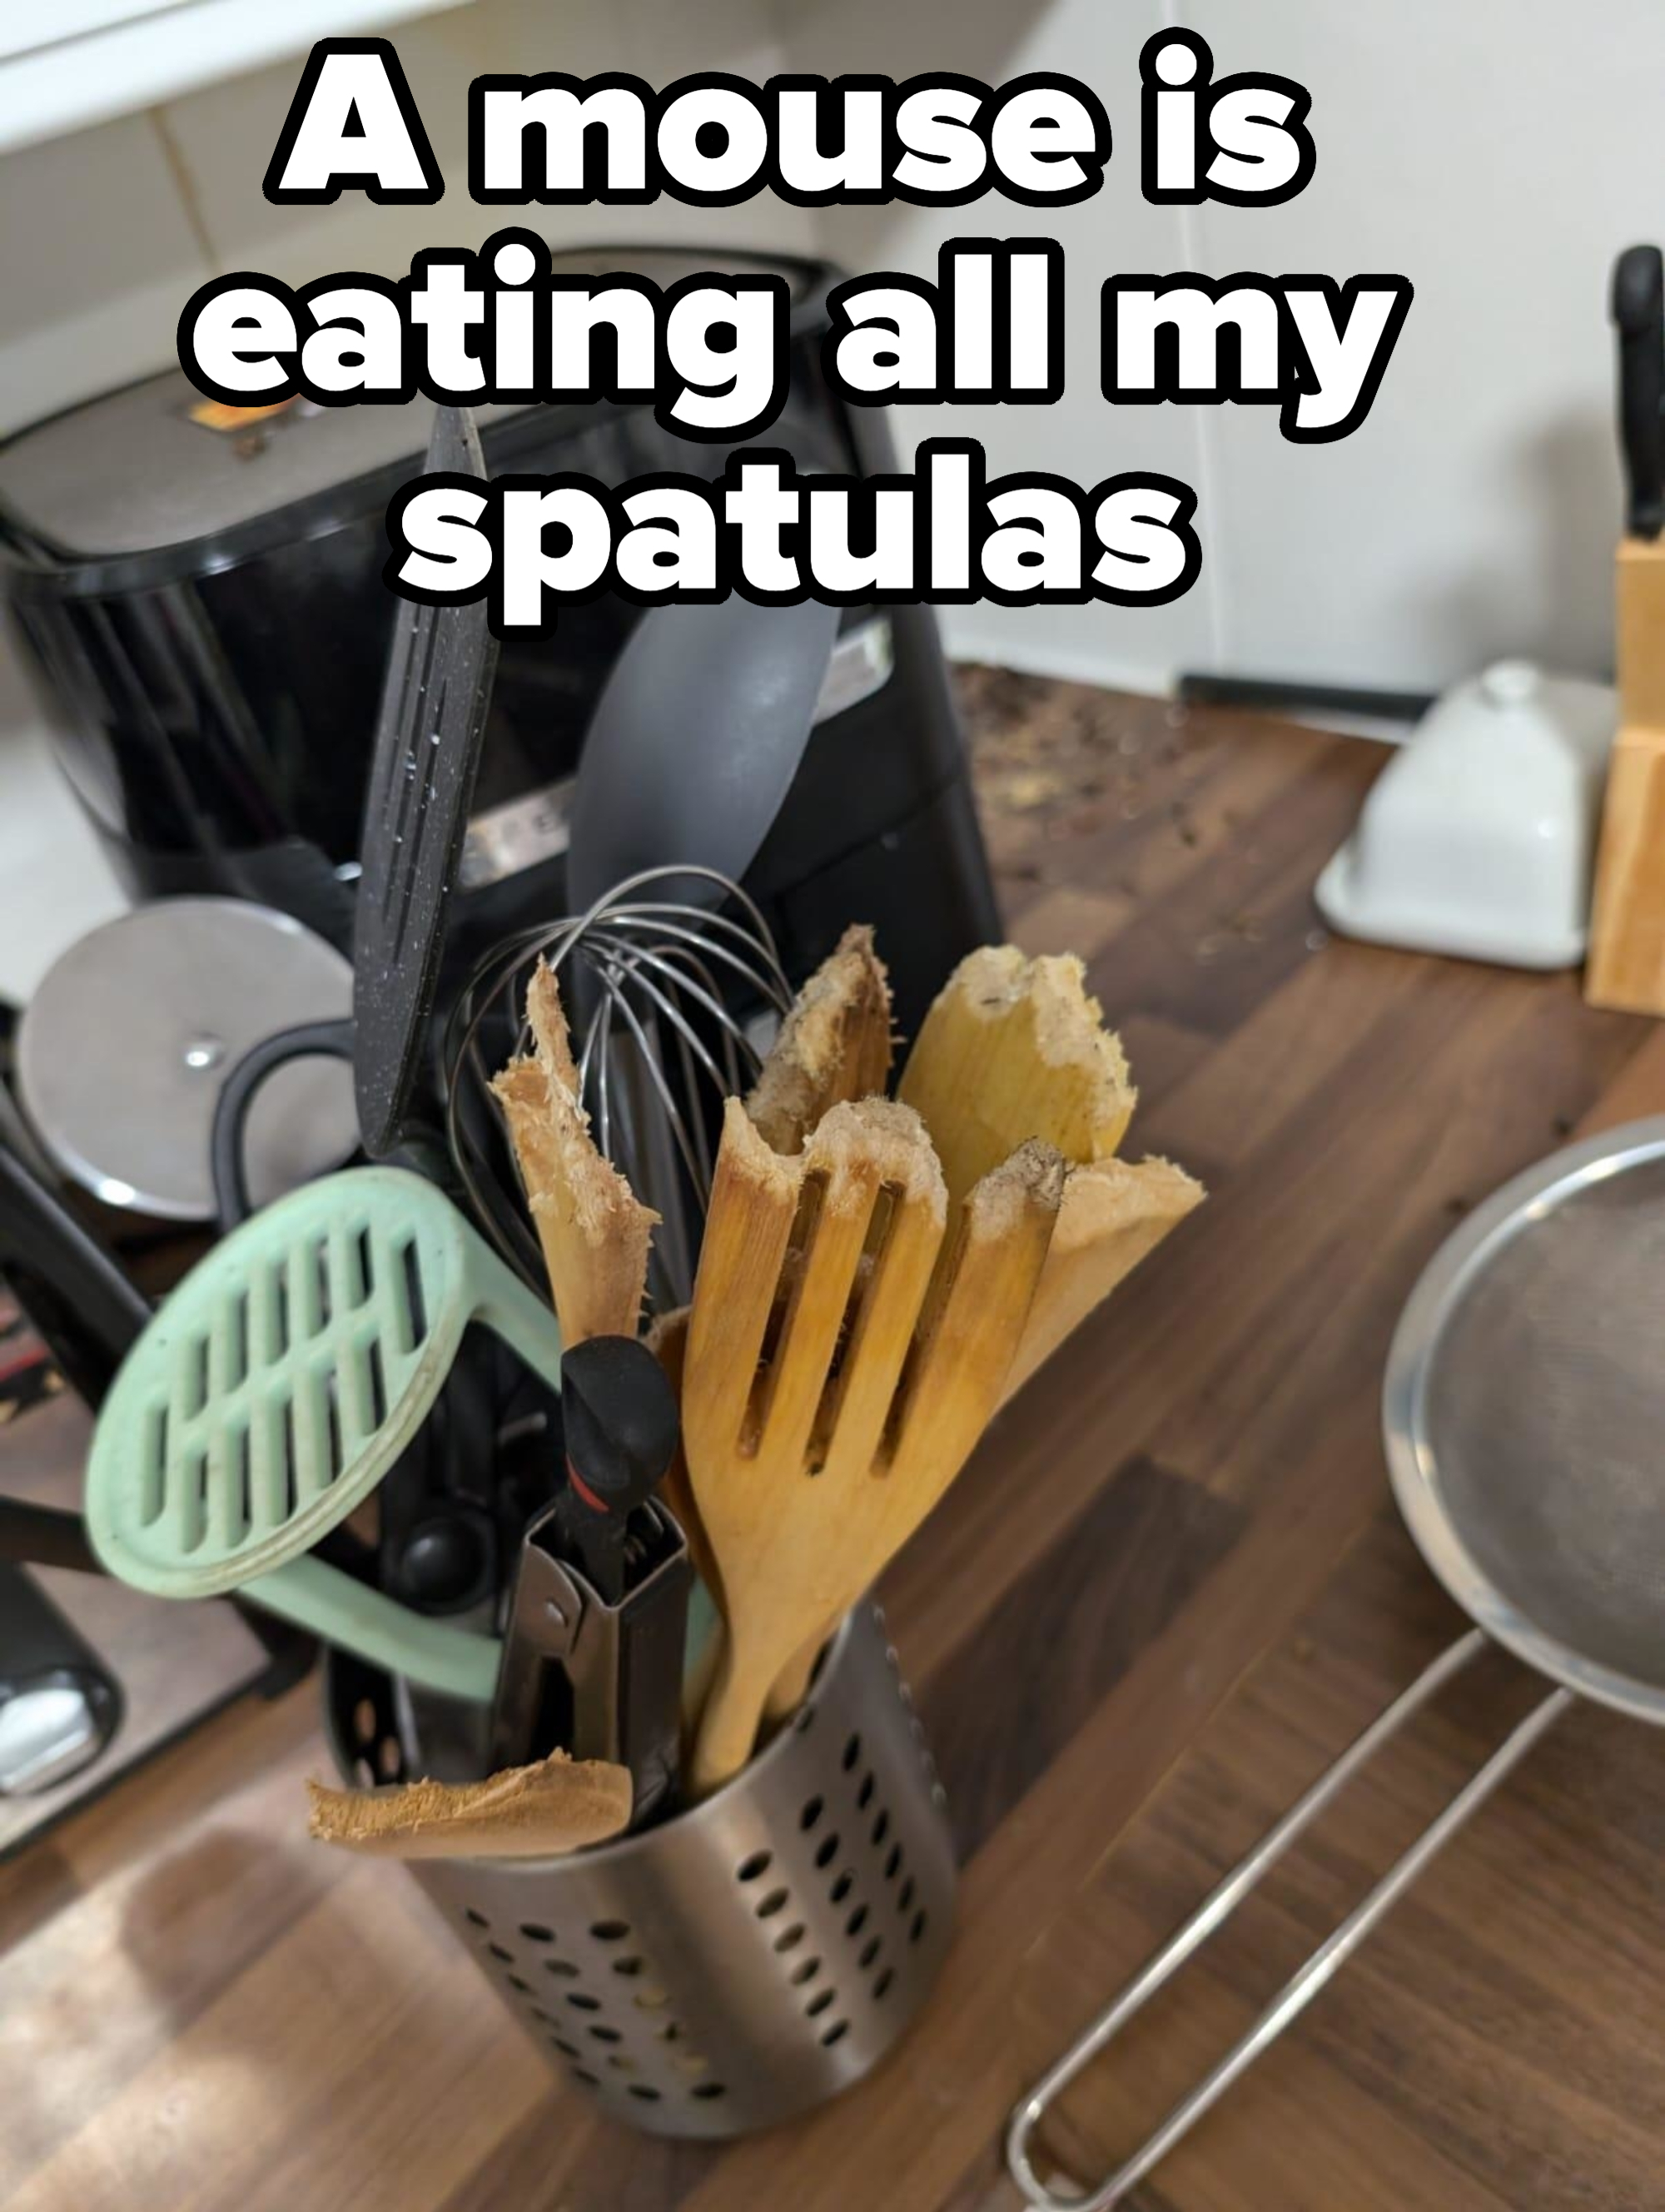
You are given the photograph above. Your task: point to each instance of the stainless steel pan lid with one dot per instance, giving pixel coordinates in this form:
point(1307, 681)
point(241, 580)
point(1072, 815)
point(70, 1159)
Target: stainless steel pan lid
point(1524, 1417)
point(122, 1052)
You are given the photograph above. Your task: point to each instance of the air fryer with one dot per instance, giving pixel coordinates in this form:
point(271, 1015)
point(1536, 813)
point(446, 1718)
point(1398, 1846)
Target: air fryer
point(205, 610)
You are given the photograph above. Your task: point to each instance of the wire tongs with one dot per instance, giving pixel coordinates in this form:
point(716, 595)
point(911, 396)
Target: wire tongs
point(602, 1679)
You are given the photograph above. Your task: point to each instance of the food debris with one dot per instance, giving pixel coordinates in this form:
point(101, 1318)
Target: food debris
point(1054, 762)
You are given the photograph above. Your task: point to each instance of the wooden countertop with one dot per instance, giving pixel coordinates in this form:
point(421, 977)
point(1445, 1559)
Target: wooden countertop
point(1167, 1592)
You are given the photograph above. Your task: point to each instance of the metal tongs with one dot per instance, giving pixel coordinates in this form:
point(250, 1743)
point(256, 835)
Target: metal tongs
point(592, 1649)
point(604, 1680)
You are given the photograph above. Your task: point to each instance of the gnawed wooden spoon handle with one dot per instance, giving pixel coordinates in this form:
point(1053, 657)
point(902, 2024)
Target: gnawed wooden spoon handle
point(792, 1684)
point(729, 1724)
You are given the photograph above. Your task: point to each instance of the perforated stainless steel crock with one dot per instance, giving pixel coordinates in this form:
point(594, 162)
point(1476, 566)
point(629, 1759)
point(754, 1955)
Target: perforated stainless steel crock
point(753, 1957)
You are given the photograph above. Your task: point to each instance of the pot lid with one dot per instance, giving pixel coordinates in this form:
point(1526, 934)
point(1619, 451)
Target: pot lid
point(122, 1052)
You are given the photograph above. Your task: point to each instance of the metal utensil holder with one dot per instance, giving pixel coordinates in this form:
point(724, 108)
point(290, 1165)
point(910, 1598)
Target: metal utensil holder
point(751, 1957)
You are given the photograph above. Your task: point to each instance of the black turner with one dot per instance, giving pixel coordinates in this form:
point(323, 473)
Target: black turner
point(429, 728)
point(428, 734)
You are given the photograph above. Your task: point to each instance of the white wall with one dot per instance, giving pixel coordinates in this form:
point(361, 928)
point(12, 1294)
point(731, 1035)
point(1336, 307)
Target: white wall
point(1080, 438)
point(1499, 153)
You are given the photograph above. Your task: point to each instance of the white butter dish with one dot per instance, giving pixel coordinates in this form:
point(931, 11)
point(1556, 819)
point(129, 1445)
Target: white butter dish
point(1479, 837)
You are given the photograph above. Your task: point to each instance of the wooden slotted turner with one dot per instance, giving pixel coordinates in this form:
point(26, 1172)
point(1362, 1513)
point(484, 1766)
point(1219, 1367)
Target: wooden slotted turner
point(830, 1393)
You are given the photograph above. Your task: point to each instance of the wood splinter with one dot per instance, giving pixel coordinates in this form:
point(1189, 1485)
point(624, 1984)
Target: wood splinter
point(834, 1046)
point(594, 1231)
point(541, 1811)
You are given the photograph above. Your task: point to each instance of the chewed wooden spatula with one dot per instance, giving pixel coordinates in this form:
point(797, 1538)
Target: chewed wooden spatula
point(542, 1811)
point(832, 1392)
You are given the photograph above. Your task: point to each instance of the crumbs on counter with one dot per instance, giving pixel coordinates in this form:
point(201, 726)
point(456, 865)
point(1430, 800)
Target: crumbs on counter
point(1056, 761)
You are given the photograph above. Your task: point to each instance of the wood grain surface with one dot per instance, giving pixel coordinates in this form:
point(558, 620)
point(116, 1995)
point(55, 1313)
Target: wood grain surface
point(1166, 1592)
point(1626, 964)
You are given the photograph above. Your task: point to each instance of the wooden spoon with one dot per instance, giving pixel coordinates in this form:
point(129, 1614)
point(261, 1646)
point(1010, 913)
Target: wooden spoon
point(1014, 1048)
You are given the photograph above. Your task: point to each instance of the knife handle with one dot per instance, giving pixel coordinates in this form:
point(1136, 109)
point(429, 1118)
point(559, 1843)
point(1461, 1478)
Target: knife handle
point(1638, 311)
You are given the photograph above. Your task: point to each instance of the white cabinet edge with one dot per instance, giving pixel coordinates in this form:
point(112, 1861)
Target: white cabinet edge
point(136, 60)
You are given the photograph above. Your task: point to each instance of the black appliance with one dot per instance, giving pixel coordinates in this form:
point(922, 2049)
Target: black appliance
point(202, 597)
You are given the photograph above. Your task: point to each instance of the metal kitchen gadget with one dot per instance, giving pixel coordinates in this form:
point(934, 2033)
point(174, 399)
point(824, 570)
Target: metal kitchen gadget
point(660, 1047)
point(738, 1963)
point(283, 1377)
point(1522, 1415)
point(694, 744)
point(593, 1653)
point(619, 1414)
point(600, 1677)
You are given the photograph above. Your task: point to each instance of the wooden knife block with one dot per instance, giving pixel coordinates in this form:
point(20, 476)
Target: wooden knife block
point(1626, 964)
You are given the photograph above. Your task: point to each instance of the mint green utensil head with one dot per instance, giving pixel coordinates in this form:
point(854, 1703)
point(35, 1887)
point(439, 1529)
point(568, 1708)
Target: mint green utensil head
point(278, 1384)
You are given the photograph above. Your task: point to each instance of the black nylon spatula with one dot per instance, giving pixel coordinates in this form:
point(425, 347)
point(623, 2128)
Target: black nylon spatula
point(428, 734)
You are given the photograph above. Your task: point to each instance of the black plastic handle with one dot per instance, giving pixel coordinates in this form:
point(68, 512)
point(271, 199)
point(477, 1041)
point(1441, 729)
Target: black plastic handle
point(85, 1308)
point(310, 1040)
point(1638, 311)
point(619, 1412)
point(45, 1536)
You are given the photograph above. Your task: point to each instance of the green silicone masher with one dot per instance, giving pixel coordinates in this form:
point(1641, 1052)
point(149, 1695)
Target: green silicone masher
point(277, 1385)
